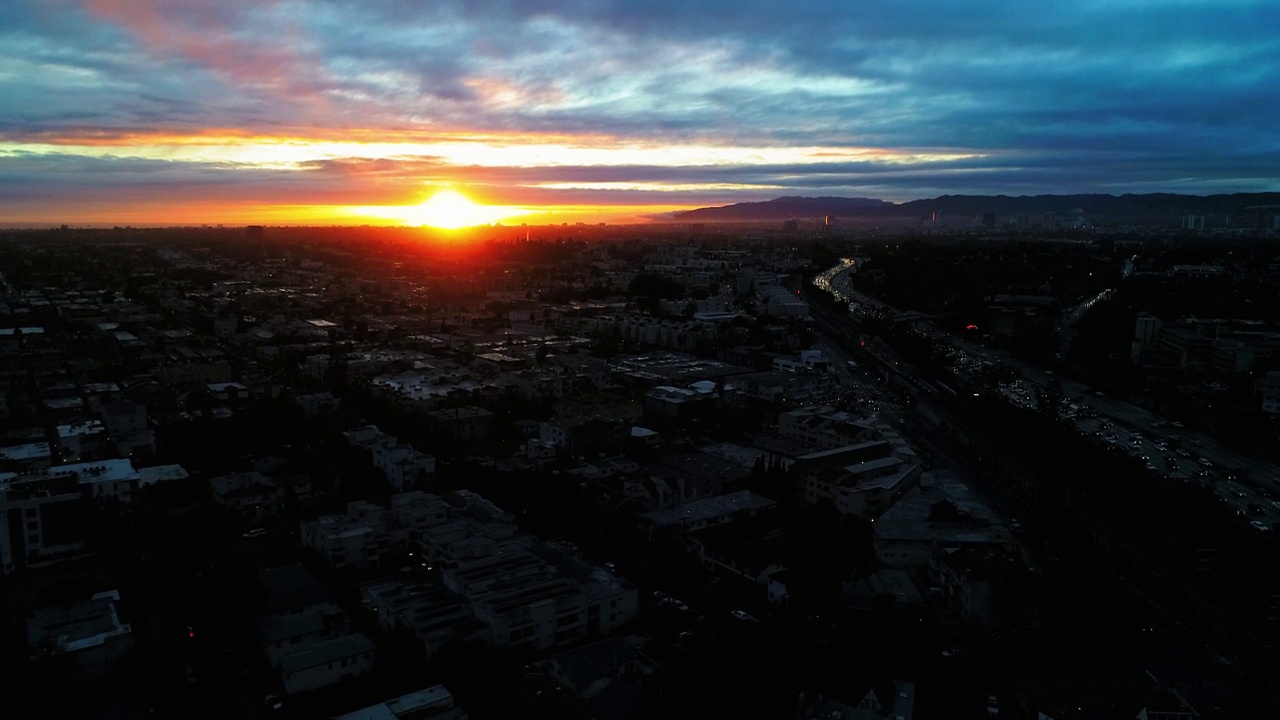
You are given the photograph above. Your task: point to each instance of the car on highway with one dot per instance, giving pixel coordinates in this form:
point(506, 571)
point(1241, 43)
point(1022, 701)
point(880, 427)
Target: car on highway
point(1259, 525)
point(674, 603)
point(744, 616)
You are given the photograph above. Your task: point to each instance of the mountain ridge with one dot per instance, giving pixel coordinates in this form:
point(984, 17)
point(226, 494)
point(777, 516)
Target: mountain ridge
point(1142, 205)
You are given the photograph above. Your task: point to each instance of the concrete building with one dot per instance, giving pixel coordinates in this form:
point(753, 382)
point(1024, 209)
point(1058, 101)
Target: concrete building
point(433, 703)
point(283, 632)
point(315, 405)
point(82, 640)
point(87, 438)
point(968, 579)
point(359, 539)
point(27, 456)
point(195, 373)
point(368, 437)
point(306, 636)
point(606, 674)
point(1268, 389)
point(124, 417)
point(403, 466)
point(39, 521)
point(1145, 333)
point(669, 403)
point(251, 494)
point(114, 479)
point(495, 583)
point(431, 613)
point(463, 423)
point(862, 489)
point(698, 514)
point(807, 361)
point(326, 662)
point(912, 535)
point(822, 426)
point(780, 302)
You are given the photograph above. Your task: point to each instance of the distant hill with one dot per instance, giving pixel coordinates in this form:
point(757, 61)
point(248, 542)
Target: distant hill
point(1147, 207)
point(785, 208)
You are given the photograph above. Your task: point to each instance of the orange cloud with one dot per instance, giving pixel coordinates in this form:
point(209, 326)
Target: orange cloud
point(126, 137)
point(201, 35)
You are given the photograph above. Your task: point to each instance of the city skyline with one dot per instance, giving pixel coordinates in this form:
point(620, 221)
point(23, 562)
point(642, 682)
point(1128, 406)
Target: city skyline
point(350, 113)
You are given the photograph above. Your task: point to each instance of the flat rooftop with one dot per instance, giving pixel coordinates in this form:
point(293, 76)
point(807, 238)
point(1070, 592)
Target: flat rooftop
point(412, 705)
point(26, 452)
point(908, 519)
point(708, 508)
point(75, 626)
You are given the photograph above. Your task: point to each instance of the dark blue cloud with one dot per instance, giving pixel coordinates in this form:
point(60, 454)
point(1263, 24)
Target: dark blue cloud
point(1076, 95)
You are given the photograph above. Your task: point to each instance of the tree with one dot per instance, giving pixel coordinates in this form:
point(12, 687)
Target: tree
point(657, 286)
point(946, 511)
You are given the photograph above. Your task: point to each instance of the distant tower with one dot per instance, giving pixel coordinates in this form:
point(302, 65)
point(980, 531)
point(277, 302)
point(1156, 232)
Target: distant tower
point(827, 224)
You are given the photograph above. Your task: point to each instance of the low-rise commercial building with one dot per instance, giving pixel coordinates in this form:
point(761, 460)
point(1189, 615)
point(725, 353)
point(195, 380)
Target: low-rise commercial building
point(433, 703)
point(83, 639)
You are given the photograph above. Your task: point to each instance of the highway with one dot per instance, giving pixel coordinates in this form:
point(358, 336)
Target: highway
point(1219, 616)
point(1259, 483)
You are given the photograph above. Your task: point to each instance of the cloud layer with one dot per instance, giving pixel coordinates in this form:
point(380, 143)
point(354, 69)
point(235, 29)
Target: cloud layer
point(153, 108)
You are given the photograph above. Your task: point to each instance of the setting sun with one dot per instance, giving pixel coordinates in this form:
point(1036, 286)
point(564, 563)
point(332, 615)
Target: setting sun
point(447, 209)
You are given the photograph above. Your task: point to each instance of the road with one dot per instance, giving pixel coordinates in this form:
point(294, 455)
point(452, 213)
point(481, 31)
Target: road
point(1260, 482)
point(1218, 619)
point(1257, 481)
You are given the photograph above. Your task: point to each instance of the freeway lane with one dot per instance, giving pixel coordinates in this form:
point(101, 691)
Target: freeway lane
point(1222, 614)
point(1261, 479)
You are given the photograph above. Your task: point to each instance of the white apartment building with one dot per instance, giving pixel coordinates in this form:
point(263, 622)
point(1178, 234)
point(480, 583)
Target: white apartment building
point(283, 633)
point(327, 662)
point(402, 465)
point(434, 703)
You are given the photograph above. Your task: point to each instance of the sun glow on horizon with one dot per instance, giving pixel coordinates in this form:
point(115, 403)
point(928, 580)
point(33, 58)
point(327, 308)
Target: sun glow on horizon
point(446, 210)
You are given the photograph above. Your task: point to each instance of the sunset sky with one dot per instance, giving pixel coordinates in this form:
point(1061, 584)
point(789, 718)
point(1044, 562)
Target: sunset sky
point(353, 111)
